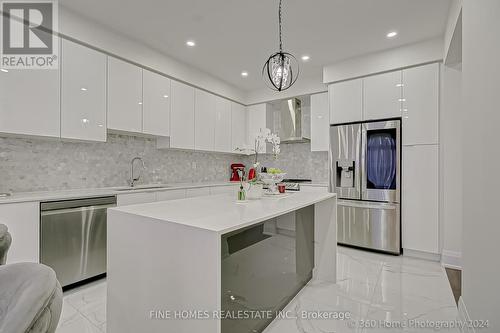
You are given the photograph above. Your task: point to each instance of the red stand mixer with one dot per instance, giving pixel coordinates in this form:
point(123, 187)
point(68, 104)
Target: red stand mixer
point(235, 177)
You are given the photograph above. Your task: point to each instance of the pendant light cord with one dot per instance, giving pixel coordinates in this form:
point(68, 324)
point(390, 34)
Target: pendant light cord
point(279, 20)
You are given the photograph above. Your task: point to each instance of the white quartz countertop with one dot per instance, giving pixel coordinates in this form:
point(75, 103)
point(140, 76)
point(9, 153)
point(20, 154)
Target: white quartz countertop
point(99, 192)
point(222, 213)
point(109, 191)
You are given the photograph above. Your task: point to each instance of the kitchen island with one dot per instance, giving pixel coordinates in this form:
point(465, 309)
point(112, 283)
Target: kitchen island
point(212, 264)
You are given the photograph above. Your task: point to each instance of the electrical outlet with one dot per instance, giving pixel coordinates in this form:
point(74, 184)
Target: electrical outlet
point(193, 165)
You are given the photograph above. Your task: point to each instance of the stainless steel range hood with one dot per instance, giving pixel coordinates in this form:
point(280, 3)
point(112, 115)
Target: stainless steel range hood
point(290, 119)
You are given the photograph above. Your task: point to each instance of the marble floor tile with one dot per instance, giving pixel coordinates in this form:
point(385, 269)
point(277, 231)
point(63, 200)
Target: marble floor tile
point(371, 287)
point(77, 324)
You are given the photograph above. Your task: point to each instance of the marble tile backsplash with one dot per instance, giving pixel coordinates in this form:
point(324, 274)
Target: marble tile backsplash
point(40, 164)
point(298, 161)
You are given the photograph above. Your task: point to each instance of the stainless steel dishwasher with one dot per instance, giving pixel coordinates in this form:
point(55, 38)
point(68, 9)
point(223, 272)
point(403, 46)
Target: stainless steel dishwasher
point(73, 237)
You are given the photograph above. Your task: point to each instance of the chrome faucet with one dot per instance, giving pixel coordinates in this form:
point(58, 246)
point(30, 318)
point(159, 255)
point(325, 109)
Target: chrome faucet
point(132, 178)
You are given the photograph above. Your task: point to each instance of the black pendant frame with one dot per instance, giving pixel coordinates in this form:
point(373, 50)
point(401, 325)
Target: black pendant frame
point(266, 71)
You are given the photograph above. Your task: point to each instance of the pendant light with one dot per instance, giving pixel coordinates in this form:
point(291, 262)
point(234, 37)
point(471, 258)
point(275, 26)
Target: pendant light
point(281, 70)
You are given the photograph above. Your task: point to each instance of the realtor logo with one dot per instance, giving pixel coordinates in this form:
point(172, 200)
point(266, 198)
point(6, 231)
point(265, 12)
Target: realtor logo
point(28, 41)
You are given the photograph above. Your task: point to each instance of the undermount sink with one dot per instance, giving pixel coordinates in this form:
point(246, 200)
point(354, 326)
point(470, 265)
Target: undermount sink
point(137, 188)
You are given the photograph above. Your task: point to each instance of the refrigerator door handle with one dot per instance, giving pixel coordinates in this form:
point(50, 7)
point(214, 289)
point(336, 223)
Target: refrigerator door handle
point(367, 204)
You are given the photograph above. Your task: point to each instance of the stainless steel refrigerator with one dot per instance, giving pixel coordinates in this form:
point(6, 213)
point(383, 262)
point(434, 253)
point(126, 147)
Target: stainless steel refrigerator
point(365, 172)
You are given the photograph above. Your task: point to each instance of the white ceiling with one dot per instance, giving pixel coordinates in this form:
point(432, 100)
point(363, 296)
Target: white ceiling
point(237, 35)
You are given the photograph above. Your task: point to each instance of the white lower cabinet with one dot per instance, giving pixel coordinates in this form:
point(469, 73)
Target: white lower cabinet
point(197, 192)
point(135, 198)
point(171, 195)
point(23, 222)
point(420, 212)
point(215, 190)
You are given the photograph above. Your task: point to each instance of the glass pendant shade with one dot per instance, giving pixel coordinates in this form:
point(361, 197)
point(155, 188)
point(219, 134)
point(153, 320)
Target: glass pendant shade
point(280, 71)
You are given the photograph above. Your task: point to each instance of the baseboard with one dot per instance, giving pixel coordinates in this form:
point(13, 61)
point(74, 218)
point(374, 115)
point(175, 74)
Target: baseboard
point(463, 317)
point(451, 259)
point(422, 255)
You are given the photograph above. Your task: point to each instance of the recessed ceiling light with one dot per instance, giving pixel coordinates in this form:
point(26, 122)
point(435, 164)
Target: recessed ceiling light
point(392, 34)
point(305, 58)
point(140, 103)
point(83, 89)
point(165, 96)
point(244, 74)
point(190, 43)
point(4, 70)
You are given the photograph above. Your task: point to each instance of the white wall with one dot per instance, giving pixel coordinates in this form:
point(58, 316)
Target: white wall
point(98, 36)
point(401, 57)
point(451, 141)
point(481, 160)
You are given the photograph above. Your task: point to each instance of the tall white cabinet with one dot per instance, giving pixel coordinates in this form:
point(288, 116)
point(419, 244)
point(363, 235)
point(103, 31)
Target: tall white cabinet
point(421, 104)
point(223, 130)
point(182, 124)
point(204, 120)
point(238, 127)
point(156, 104)
point(124, 96)
point(420, 200)
point(83, 93)
point(413, 95)
point(420, 195)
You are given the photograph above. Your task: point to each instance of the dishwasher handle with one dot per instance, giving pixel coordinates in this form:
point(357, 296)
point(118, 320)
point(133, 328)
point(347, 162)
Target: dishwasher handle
point(76, 203)
point(75, 210)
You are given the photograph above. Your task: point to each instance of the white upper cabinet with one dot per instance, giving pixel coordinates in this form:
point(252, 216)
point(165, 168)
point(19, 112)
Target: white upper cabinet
point(29, 102)
point(83, 93)
point(382, 96)
point(320, 124)
point(124, 96)
point(346, 101)
point(182, 116)
point(223, 125)
point(238, 127)
point(421, 105)
point(256, 122)
point(156, 104)
point(204, 118)
point(420, 212)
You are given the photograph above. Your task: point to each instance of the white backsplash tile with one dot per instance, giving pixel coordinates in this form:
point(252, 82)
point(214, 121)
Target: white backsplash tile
point(297, 160)
point(37, 164)
point(44, 164)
